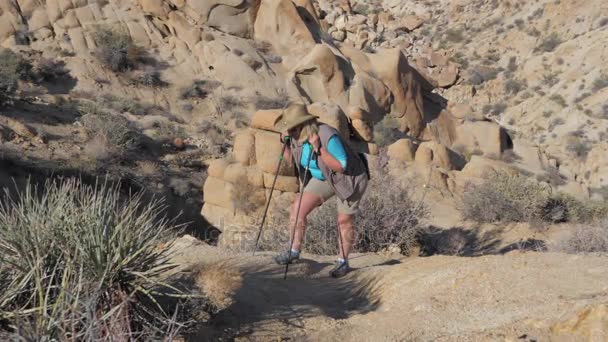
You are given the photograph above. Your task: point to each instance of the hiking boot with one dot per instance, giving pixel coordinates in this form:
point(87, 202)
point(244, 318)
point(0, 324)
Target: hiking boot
point(286, 257)
point(340, 269)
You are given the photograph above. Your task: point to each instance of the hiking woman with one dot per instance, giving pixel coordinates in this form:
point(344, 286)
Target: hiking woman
point(333, 169)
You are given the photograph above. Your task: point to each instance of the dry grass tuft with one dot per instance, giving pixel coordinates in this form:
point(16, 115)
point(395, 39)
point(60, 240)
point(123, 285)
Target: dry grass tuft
point(219, 283)
point(148, 168)
point(586, 239)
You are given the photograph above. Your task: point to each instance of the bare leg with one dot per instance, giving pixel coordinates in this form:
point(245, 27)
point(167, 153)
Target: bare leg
point(346, 237)
point(309, 202)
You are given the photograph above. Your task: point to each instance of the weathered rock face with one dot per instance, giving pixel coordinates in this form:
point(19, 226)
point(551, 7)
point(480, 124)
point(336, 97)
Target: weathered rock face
point(318, 77)
point(391, 66)
point(279, 23)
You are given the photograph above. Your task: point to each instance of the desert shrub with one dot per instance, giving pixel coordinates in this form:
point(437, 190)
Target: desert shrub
point(481, 74)
point(83, 262)
point(505, 198)
point(600, 83)
point(557, 98)
point(513, 86)
point(590, 238)
point(265, 49)
point(454, 35)
point(116, 50)
point(552, 176)
point(512, 66)
point(167, 131)
point(602, 191)
point(562, 207)
point(461, 59)
point(580, 148)
point(119, 104)
point(115, 129)
point(549, 43)
point(390, 216)
point(494, 109)
point(280, 101)
point(148, 168)
point(148, 78)
point(228, 103)
point(582, 96)
point(13, 67)
point(387, 131)
point(219, 282)
point(556, 122)
point(550, 79)
point(50, 70)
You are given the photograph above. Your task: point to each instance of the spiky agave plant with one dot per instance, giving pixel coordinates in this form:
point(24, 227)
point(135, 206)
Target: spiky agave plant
point(83, 261)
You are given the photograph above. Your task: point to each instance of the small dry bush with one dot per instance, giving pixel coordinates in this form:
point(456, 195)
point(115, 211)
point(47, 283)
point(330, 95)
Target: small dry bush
point(550, 43)
point(49, 70)
point(148, 168)
point(601, 82)
point(116, 129)
point(387, 132)
point(389, 216)
point(219, 283)
point(116, 50)
point(148, 78)
point(505, 198)
point(591, 238)
point(280, 101)
point(562, 207)
point(13, 67)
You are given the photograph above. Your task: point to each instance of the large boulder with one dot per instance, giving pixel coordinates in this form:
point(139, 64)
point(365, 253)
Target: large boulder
point(279, 23)
point(265, 119)
point(331, 114)
point(318, 77)
point(229, 16)
point(402, 150)
point(244, 147)
point(433, 153)
point(392, 68)
point(485, 136)
point(370, 95)
point(268, 150)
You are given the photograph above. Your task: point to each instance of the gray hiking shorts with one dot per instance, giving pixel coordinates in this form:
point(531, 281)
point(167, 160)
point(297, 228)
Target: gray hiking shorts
point(323, 190)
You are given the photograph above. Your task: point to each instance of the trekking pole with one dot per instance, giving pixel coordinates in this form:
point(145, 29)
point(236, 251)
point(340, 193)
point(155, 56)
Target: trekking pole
point(295, 226)
point(276, 175)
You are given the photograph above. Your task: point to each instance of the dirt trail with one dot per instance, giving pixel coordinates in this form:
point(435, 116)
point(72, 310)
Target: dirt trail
point(516, 296)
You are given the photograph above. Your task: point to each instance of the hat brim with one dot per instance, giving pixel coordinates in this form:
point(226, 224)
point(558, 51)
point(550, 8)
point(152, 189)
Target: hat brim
point(282, 126)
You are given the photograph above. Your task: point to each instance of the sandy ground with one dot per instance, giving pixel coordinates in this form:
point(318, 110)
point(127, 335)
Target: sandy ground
point(517, 296)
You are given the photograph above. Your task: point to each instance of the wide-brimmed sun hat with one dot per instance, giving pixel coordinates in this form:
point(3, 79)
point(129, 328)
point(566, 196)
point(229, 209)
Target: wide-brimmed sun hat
point(294, 115)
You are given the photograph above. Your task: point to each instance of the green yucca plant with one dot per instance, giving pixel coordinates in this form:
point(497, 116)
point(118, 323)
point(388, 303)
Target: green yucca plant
point(83, 262)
